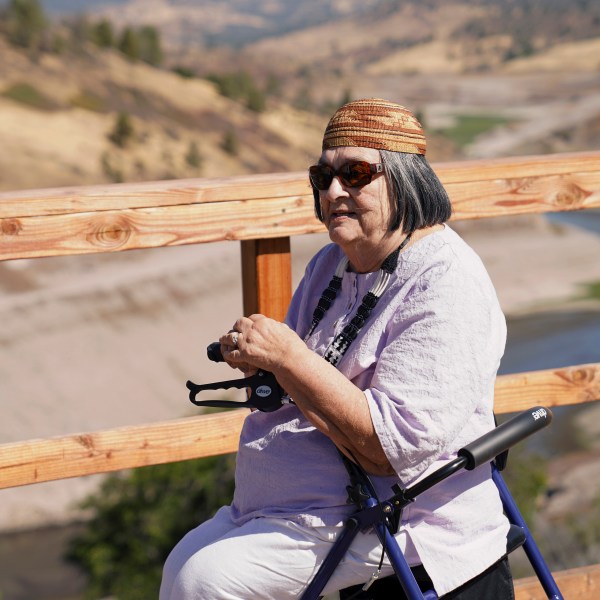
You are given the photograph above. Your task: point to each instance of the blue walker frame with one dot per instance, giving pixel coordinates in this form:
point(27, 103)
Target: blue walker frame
point(373, 513)
point(265, 394)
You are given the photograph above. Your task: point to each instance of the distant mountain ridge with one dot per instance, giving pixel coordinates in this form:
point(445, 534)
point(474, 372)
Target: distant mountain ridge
point(240, 22)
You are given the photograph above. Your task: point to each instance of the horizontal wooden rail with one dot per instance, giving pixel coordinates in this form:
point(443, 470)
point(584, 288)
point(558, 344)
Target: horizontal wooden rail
point(23, 463)
point(167, 213)
point(39, 460)
point(582, 583)
point(551, 387)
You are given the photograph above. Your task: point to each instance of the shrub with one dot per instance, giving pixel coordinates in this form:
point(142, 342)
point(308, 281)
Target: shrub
point(193, 157)
point(102, 34)
point(26, 23)
point(25, 93)
point(230, 143)
point(139, 517)
point(122, 131)
point(88, 101)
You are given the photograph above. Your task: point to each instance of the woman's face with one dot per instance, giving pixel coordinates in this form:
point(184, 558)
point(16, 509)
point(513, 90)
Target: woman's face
point(358, 218)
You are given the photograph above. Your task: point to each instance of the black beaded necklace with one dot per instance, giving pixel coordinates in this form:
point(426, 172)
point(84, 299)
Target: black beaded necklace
point(342, 341)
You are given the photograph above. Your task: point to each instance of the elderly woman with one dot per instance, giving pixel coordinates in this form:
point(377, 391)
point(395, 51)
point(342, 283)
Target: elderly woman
point(389, 351)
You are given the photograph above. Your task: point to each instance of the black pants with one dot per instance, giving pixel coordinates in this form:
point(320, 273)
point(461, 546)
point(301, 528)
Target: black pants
point(493, 584)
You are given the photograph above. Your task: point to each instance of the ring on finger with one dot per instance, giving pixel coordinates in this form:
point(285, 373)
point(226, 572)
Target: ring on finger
point(235, 337)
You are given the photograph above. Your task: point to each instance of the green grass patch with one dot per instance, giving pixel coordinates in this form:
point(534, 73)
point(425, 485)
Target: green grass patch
point(591, 291)
point(468, 127)
point(89, 101)
point(25, 93)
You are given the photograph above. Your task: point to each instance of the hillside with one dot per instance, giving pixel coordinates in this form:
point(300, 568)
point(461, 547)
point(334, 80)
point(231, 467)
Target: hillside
point(57, 112)
point(480, 66)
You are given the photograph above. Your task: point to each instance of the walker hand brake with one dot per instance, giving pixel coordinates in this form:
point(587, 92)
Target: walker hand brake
point(265, 394)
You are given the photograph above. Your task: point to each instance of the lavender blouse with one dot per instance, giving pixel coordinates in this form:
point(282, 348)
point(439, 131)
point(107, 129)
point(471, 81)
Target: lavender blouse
point(427, 361)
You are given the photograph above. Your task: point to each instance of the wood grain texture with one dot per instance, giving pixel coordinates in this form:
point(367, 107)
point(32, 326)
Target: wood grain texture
point(582, 583)
point(551, 387)
point(127, 216)
point(23, 463)
point(34, 461)
point(267, 277)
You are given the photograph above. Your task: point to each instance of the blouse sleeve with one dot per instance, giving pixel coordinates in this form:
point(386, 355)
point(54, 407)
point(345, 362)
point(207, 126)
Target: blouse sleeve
point(437, 368)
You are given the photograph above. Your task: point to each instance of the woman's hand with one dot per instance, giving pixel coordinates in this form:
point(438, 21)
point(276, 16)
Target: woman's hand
point(257, 342)
point(332, 403)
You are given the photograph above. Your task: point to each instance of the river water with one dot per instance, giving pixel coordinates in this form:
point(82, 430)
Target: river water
point(30, 562)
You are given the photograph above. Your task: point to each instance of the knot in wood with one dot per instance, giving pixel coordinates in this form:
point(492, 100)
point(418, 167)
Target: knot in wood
point(110, 232)
point(10, 226)
point(567, 194)
point(583, 376)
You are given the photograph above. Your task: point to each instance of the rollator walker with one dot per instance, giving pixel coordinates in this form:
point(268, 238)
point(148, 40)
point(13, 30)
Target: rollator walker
point(384, 516)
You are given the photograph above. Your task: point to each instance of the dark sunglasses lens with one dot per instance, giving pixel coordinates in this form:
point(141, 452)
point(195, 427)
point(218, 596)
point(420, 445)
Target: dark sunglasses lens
point(320, 176)
point(356, 174)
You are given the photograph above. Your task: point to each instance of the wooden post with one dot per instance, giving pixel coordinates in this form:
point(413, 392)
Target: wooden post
point(267, 276)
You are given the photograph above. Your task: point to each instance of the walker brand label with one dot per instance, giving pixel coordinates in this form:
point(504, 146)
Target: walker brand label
point(264, 390)
point(540, 413)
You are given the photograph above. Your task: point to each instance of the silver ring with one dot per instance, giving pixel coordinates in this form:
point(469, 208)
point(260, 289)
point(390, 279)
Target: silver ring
point(236, 335)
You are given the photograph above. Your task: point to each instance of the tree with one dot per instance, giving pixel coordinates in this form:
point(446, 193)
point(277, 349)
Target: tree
point(241, 87)
point(129, 44)
point(103, 34)
point(230, 143)
point(138, 517)
point(122, 131)
point(150, 49)
point(26, 23)
point(193, 157)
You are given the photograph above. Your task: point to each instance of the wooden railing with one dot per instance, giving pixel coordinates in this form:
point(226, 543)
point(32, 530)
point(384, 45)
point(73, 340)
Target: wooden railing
point(262, 212)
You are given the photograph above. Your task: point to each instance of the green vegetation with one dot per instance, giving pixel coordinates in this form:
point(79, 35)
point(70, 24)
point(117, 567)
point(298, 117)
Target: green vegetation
point(527, 479)
point(230, 143)
point(585, 529)
point(141, 43)
point(102, 34)
point(150, 46)
point(88, 101)
point(591, 291)
point(138, 517)
point(25, 93)
point(193, 158)
point(25, 23)
point(129, 44)
point(113, 173)
point(122, 131)
point(240, 87)
point(468, 127)
point(184, 72)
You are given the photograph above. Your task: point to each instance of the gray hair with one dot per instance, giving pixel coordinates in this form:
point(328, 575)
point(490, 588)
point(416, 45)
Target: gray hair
point(419, 196)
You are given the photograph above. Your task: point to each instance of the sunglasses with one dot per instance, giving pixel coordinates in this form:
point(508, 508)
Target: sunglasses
point(352, 174)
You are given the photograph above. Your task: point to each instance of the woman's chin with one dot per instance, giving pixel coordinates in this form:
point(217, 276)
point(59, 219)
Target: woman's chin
point(340, 234)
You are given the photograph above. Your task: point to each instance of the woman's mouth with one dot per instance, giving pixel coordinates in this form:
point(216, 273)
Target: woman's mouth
point(337, 215)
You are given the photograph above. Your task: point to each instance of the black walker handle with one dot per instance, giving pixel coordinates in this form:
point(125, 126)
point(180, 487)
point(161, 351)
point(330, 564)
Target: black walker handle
point(263, 391)
point(496, 441)
point(213, 351)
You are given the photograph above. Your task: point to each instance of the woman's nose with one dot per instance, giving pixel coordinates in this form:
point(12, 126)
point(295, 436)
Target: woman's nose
point(336, 188)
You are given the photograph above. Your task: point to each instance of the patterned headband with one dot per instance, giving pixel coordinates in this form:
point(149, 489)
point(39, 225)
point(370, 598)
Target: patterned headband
point(375, 123)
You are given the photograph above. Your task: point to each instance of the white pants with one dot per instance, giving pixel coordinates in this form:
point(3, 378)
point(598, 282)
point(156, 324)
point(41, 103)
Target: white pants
point(264, 558)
